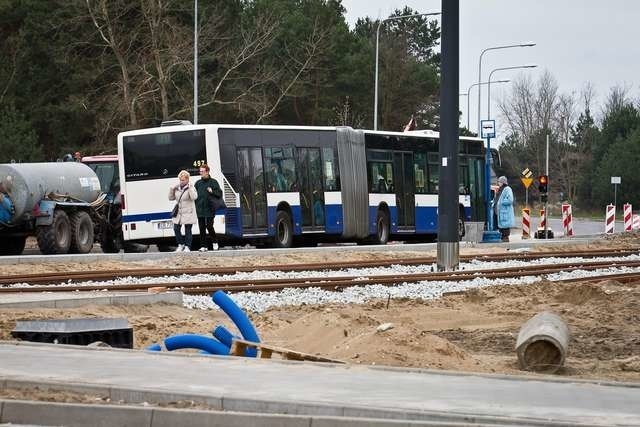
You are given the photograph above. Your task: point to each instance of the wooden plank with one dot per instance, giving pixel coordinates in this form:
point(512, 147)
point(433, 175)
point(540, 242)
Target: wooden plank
point(265, 351)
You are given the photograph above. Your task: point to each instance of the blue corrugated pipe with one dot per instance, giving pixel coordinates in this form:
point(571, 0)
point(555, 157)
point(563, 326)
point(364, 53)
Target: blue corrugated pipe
point(239, 318)
point(223, 335)
point(199, 342)
point(154, 347)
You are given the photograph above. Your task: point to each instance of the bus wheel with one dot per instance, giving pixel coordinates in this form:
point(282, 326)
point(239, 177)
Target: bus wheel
point(81, 233)
point(12, 245)
point(382, 228)
point(55, 238)
point(284, 231)
point(461, 230)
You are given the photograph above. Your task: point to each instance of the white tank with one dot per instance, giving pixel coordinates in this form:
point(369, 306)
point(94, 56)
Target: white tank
point(32, 182)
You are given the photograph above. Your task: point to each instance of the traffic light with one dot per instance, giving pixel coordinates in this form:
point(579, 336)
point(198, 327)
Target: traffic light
point(543, 182)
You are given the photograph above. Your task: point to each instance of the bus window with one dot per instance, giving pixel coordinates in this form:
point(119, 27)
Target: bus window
point(434, 173)
point(330, 170)
point(381, 177)
point(163, 155)
point(420, 172)
point(281, 166)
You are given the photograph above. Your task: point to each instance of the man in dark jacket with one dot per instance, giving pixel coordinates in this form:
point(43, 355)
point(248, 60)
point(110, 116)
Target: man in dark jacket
point(208, 189)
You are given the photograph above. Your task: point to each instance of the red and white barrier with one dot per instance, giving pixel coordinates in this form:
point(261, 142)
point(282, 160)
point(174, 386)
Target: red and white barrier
point(610, 220)
point(567, 219)
point(636, 222)
point(628, 217)
point(543, 220)
point(526, 223)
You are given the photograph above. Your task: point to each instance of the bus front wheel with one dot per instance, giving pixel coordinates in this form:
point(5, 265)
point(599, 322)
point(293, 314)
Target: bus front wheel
point(284, 230)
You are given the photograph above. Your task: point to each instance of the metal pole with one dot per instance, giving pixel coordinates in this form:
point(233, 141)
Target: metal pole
point(448, 213)
point(546, 202)
point(469, 96)
point(195, 62)
point(489, 83)
point(375, 96)
point(480, 70)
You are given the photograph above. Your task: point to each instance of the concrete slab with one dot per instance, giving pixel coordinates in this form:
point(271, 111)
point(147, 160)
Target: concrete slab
point(74, 299)
point(316, 389)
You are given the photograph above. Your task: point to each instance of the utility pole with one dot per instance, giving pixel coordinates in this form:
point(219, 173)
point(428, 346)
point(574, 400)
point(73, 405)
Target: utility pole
point(448, 239)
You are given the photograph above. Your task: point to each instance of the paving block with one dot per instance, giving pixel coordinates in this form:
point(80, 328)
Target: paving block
point(199, 418)
point(74, 414)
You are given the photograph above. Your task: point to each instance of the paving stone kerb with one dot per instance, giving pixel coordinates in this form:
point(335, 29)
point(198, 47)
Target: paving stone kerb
point(72, 300)
point(316, 389)
point(73, 414)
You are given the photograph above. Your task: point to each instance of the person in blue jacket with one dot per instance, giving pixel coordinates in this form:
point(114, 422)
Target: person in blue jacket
point(6, 205)
point(503, 209)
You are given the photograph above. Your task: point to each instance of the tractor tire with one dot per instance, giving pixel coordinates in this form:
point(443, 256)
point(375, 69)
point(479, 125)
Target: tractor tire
point(111, 238)
point(81, 233)
point(55, 238)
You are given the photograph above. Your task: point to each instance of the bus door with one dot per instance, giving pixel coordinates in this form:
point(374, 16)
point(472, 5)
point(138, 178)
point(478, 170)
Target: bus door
point(253, 198)
point(476, 189)
point(403, 188)
point(311, 193)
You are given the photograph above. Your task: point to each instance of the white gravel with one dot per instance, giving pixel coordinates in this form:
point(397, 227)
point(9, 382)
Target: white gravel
point(258, 302)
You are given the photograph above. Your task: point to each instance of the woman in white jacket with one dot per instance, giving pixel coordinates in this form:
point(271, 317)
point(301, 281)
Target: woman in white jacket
point(185, 214)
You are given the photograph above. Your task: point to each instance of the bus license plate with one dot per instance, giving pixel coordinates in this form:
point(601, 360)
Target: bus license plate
point(165, 225)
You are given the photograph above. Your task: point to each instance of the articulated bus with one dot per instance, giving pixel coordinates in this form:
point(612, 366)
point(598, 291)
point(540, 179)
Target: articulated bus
point(286, 184)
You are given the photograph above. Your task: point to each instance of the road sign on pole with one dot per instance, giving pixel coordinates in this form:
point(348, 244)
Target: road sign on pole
point(615, 180)
point(488, 128)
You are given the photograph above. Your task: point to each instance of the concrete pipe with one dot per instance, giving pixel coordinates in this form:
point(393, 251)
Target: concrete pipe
point(542, 343)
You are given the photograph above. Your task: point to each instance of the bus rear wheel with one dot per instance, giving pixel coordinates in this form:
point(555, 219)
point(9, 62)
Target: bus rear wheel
point(284, 231)
point(383, 230)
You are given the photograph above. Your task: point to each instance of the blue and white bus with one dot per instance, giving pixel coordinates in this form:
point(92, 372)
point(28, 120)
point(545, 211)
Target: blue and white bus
point(286, 184)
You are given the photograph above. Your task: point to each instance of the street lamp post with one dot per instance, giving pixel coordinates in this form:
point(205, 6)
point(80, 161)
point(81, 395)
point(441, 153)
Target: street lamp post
point(195, 62)
point(480, 69)
point(375, 97)
point(489, 83)
point(469, 97)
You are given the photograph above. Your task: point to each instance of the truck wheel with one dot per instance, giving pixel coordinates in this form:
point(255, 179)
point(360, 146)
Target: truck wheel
point(284, 231)
point(12, 245)
point(55, 238)
point(81, 233)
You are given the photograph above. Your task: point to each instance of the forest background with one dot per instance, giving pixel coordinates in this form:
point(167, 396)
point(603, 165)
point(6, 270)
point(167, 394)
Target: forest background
point(74, 73)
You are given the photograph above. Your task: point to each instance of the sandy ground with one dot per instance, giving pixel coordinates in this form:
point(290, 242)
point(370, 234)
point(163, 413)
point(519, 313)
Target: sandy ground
point(473, 331)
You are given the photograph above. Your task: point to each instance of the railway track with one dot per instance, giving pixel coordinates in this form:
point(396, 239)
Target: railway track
point(78, 276)
point(342, 282)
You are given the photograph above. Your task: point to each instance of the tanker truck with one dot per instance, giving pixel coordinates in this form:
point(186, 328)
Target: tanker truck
point(61, 203)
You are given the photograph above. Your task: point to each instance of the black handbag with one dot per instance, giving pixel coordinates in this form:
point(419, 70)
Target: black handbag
point(176, 208)
point(217, 203)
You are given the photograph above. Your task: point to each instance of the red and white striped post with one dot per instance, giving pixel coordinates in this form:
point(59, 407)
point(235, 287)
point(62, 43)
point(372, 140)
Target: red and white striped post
point(610, 219)
point(526, 223)
point(543, 221)
point(567, 219)
point(628, 217)
point(636, 222)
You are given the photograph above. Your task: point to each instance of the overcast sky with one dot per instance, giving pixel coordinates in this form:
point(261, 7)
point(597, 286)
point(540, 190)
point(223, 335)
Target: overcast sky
point(578, 41)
